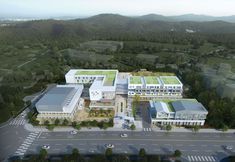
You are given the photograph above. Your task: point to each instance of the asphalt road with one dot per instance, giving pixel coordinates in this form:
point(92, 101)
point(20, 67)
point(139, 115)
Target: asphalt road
point(14, 139)
point(200, 144)
point(145, 114)
point(11, 137)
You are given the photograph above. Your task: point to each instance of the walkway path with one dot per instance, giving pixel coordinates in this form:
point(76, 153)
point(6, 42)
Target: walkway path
point(31, 128)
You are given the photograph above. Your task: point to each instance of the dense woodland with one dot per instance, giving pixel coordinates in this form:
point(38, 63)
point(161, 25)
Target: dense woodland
point(36, 53)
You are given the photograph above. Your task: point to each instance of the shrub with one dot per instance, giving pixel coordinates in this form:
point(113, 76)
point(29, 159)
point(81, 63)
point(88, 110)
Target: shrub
point(142, 152)
point(50, 127)
point(177, 153)
point(46, 122)
point(65, 122)
point(78, 127)
point(57, 121)
point(108, 152)
point(133, 127)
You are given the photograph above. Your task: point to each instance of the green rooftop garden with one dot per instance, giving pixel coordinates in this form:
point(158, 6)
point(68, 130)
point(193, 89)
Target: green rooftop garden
point(151, 80)
point(169, 102)
point(109, 75)
point(150, 73)
point(135, 80)
point(170, 80)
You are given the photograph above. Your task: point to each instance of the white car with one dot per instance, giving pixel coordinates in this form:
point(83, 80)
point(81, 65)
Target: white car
point(228, 147)
point(73, 132)
point(46, 147)
point(124, 135)
point(109, 145)
point(91, 151)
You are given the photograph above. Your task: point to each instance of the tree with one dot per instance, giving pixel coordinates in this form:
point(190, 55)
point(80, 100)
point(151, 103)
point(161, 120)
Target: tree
point(57, 121)
point(43, 153)
point(78, 127)
point(133, 127)
point(136, 99)
point(74, 123)
point(154, 158)
point(142, 152)
point(65, 122)
point(224, 128)
point(105, 126)
point(75, 153)
point(177, 153)
point(50, 127)
point(46, 122)
point(108, 152)
point(168, 128)
point(196, 128)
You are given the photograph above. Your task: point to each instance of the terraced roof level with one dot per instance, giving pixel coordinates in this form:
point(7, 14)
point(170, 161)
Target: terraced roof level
point(135, 80)
point(110, 75)
point(151, 80)
point(170, 80)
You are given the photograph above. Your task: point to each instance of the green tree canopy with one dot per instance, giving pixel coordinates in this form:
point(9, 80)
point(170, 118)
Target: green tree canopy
point(142, 152)
point(177, 153)
point(108, 152)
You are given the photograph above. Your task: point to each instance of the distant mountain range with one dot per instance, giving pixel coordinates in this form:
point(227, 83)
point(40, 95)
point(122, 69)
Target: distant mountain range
point(188, 17)
point(110, 26)
point(152, 17)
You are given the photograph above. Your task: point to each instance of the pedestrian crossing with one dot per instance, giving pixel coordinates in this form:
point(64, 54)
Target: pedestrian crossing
point(147, 129)
point(202, 158)
point(18, 121)
point(26, 144)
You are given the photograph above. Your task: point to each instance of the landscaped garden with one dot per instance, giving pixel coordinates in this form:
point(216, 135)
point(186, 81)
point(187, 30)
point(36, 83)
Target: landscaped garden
point(101, 113)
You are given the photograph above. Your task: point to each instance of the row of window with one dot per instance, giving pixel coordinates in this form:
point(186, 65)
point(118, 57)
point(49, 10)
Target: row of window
point(155, 87)
point(155, 91)
point(85, 78)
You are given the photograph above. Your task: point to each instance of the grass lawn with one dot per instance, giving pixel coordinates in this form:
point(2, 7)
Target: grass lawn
point(110, 75)
point(207, 47)
point(215, 61)
point(149, 73)
point(170, 80)
point(151, 80)
point(147, 57)
point(135, 80)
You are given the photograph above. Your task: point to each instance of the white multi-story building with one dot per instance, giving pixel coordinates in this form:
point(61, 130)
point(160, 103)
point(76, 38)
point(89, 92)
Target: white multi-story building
point(102, 85)
point(61, 101)
point(154, 86)
point(177, 112)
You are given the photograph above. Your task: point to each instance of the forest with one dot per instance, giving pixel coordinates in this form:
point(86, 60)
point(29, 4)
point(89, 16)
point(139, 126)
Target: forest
point(36, 53)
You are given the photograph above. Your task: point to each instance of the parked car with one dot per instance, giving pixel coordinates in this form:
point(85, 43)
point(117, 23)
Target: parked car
point(109, 145)
point(46, 147)
point(73, 132)
point(91, 151)
point(228, 147)
point(124, 135)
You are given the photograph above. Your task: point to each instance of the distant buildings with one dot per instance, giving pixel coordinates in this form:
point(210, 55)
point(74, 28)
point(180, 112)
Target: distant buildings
point(61, 101)
point(177, 112)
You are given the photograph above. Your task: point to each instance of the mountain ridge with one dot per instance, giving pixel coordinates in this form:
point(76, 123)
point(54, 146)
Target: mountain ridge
point(149, 17)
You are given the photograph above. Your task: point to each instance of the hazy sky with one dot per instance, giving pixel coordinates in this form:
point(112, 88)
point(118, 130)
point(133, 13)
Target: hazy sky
point(52, 8)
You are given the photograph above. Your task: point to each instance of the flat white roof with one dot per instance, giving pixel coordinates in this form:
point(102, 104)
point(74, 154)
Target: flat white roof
point(60, 98)
point(110, 75)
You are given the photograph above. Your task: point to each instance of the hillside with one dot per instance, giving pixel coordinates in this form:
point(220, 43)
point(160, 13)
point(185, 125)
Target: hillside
point(107, 26)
